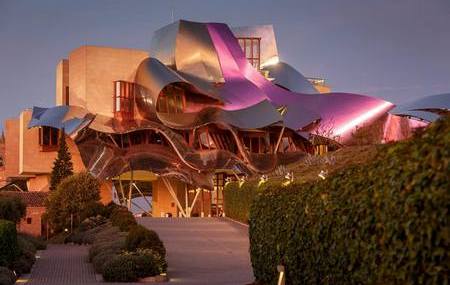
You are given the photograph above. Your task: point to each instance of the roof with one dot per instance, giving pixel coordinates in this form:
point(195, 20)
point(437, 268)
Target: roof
point(31, 199)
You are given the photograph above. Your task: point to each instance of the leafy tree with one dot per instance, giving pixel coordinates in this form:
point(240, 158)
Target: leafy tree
point(12, 208)
point(63, 166)
point(72, 197)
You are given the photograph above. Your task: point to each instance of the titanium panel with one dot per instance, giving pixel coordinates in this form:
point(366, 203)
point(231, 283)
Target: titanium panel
point(288, 77)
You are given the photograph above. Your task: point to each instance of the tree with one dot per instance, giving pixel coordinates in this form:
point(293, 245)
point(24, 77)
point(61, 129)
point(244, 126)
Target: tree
point(72, 197)
point(62, 166)
point(12, 208)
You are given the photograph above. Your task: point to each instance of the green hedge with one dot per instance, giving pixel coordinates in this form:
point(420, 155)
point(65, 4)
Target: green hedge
point(238, 199)
point(385, 222)
point(143, 238)
point(9, 248)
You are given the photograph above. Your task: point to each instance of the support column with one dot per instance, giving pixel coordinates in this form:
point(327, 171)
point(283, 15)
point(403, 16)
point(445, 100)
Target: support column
point(279, 140)
point(174, 195)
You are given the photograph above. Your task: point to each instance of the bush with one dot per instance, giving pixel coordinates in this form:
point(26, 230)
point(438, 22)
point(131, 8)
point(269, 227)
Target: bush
point(123, 219)
point(140, 237)
point(99, 260)
point(94, 209)
point(147, 262)
point(121, 268)
point(116, 245)
point(38, 243)
point(385, 222)
point(25, 245)
point(73, 196)
point(238, 199)
point(130, 266)
point(12, 208)
point(23, 263)
point(7, 277)
point(9, 248)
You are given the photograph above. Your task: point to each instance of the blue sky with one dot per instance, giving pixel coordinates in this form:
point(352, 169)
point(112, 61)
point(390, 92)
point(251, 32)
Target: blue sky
point(395, 49)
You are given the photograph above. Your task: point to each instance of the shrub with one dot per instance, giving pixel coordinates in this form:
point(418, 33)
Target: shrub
point(385, 222)
point(123, 219)
point(130, 266)
point(121, 268)
point(25, 245)
point(99, 260)
point(12, 208)
point(38, 243)
point(7, 277)
point(238, 199)
point(9, 248)
point(147, 262)
point(116, 245)
point(26, 258)
point(72, 197)
point(141, 237)
point(23, 263)
point(93, 209)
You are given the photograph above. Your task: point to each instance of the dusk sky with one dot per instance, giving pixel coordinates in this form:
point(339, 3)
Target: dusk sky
point(395, 49)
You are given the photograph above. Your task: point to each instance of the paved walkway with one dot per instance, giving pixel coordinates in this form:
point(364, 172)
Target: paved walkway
point(199, 251)
point(204, 250)
point(62, 264)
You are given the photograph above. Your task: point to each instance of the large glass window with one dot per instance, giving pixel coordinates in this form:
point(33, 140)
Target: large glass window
point(171, 100)
point(252, 50)
point(123, 100)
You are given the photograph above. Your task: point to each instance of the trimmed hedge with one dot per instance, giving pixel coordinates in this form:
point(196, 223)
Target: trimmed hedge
point(143, 238)
point(238, 199)
point(9, 248)
point(385, 222)
point(122, 218)
point(120, 269)
point(145, 256)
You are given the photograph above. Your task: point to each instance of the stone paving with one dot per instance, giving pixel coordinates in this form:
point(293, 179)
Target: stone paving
point(63, 264)
point(199, 251)
point(204, 250)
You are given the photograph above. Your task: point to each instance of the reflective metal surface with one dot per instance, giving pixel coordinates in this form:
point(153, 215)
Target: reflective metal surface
point(286, 76)
point(428, 108)
point(228, 100)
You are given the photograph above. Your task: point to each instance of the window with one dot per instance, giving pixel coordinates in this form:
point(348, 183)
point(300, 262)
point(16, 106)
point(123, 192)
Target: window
point(124, 100)
point(287, 145)
point(255, 143)
point(48, 138)
point(252, 50)
point(67, 100)
point(217, 195)
point(171, 100)
point(29, 221)
point(206, 141)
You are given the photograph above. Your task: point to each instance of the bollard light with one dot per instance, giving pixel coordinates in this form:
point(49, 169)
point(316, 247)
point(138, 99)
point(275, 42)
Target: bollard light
point(323, 174)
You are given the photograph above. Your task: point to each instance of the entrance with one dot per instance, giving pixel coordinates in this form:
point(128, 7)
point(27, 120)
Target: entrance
point(217, 201)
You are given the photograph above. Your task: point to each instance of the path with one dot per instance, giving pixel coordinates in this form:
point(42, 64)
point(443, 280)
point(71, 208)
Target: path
point(199, 251)
point(204, 250)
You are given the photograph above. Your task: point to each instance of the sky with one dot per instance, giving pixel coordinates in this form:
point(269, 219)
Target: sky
point(398, 50)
